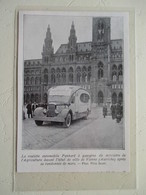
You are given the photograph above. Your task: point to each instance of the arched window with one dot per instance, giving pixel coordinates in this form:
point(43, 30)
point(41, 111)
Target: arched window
point(114, 98)
point(32, 97)
point(120, 72)
point(89, 74)
point(53, 79)
point(36, 81)
point(78, 74)
point(120, 98)
point(100, 30)
point(32, 81)
point(114, 72)
point(84, 74)
point(70, 75)
point(58, 75)
point(46, 76)
point(100, 70)
point(100, 97)
point(45, 79)
point(63, 75)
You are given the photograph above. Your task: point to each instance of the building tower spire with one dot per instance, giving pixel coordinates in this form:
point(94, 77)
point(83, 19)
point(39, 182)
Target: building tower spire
point(72, 38)
point(48, 50)
point(72, 43)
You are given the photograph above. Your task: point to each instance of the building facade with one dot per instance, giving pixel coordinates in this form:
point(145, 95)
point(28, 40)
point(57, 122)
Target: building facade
point(96, 66)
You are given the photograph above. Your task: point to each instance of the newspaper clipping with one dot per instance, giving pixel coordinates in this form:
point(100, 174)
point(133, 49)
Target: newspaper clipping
point(73, 92)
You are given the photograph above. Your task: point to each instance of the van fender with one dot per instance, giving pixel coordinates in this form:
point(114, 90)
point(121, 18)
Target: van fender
point(39, 111)
point(64, 112)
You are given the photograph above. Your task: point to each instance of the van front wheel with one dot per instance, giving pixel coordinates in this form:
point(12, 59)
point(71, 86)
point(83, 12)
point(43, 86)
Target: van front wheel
point(67, 121)
point(38, 123)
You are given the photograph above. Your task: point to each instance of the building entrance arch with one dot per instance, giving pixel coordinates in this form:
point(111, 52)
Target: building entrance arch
point(114, 98)
point(100, 97)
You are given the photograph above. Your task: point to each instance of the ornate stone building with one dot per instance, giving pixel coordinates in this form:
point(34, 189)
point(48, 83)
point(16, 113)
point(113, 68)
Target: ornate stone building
point(96, 65)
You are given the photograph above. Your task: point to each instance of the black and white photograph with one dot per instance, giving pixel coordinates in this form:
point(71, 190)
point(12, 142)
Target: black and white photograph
point(73, 83)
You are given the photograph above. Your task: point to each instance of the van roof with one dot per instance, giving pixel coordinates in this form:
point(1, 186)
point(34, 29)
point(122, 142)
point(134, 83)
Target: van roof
point(69, 88)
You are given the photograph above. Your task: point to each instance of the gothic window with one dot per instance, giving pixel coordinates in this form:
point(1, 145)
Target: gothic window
point(32, 81)
point(84, 74)
point(120, 71)
point(36, 81)
point(45, 71)
point(100, 70)
point(58, 75)
point(114, 98)
point(45, 79)
point(100, 97)
point(70, 76)
point(78, 74)
point(61, 59)
point(100, 30)
point(114, 72)
point(63, 75)
point(89, 74)
point(46, 76)
point(120, 97)
point(53, 79)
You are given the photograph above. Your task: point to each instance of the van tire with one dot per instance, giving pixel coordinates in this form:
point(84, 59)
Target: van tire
point(67, 121)
point(87, 113)
point(39, 123)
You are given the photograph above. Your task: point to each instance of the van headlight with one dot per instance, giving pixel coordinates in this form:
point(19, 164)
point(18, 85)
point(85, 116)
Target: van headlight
point(59, 108)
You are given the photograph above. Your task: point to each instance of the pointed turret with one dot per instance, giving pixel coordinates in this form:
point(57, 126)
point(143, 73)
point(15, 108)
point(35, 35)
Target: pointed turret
point(72, 38)
point(48, 50)
point(72, 44)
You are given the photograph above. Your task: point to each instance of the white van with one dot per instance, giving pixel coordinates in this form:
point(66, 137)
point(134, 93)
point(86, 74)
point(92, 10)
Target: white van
point(65, 104)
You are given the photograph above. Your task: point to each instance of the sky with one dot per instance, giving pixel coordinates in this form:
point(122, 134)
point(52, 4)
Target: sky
point(35, 28)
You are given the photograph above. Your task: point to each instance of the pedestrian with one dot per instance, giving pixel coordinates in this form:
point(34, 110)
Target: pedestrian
point(33, 107)
point(118, 112)
point(104, 110)
point(113, 111)
point(29, 110)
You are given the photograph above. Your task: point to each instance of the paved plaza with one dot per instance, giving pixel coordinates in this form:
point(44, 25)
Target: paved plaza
point(96, 132)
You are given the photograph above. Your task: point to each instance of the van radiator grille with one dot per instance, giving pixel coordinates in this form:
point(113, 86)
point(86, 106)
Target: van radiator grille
point(51, 110)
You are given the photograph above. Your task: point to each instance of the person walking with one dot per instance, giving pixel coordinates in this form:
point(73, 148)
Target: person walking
point(29, 110)
point(113, 111)
point(104, 110)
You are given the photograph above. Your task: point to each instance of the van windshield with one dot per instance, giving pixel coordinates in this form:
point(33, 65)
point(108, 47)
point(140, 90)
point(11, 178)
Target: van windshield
point(59, 95)
point(58, 98)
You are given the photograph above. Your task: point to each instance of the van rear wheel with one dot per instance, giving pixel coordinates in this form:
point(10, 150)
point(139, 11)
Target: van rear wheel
point(38, 123)
point(87, 113)
point(67, 121)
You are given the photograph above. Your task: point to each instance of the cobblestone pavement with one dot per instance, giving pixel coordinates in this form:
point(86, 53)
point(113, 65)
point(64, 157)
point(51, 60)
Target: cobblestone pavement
point(95, 132)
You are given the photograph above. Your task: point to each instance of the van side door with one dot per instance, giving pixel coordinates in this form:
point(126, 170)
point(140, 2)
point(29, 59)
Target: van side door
point(84, 101)
point(73, 103)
